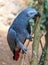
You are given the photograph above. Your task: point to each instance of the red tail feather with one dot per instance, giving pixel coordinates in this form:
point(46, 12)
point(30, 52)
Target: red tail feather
point(16, 54)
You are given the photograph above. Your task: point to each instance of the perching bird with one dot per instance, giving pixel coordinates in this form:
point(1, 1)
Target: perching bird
point(20, 30)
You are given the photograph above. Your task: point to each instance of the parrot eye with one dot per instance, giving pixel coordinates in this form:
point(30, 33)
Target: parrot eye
point(31, 13)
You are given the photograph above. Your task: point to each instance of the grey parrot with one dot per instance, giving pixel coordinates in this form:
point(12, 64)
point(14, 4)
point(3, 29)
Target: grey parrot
point(20, 30)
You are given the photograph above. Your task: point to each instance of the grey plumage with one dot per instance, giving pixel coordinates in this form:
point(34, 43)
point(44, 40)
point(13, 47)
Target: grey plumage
point(20, 29)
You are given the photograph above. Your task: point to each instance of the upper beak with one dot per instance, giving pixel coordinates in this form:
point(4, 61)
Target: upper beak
point(36, 15)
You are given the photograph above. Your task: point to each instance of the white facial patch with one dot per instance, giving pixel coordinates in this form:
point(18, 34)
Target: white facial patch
point(31, 13)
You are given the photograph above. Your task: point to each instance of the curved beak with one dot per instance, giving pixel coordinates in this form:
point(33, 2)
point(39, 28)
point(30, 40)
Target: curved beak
point(36, 15)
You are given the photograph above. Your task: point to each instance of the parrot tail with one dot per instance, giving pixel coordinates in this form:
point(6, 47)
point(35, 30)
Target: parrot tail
point(16, 54)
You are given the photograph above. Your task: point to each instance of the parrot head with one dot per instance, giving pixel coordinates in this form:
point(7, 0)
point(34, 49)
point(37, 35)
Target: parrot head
point(32, 13)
